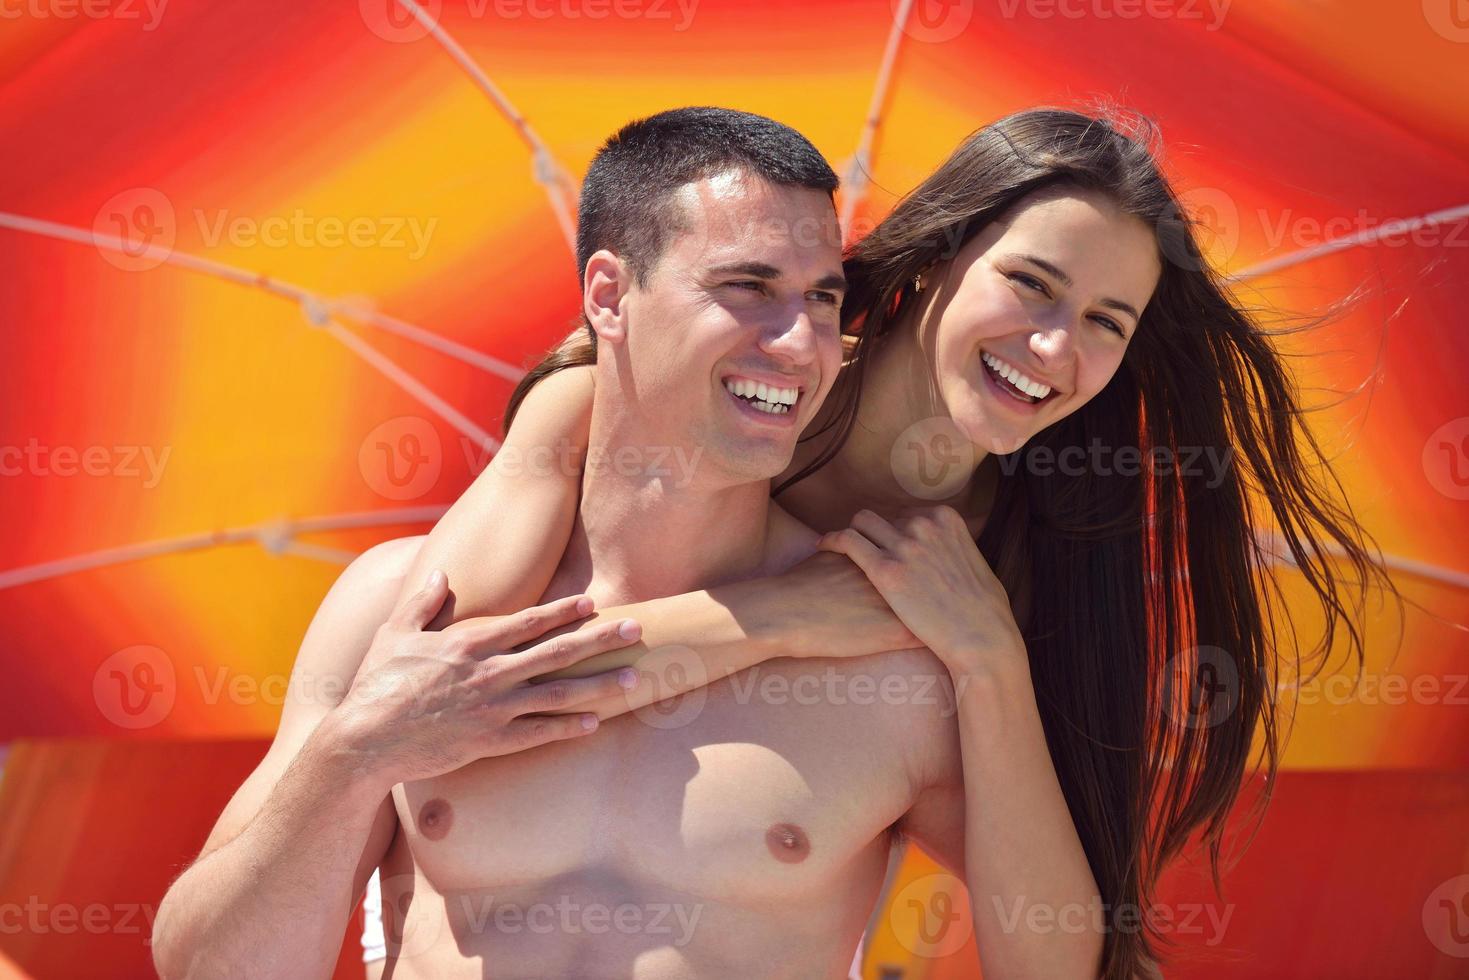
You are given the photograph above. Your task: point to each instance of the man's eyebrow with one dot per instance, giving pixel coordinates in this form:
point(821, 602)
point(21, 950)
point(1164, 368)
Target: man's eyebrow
point(763, 270)
point(755, 270)
point(1113, 304)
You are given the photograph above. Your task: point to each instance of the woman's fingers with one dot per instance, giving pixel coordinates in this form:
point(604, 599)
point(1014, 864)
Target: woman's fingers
point(877, 529)
point(855, 545)
point(569, 648)
point(558, 696)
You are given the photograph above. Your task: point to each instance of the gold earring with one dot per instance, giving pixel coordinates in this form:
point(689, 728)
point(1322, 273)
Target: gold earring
point(918, 283)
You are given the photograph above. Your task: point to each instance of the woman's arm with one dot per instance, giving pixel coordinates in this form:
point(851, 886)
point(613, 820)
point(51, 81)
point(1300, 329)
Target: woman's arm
point(500, 543)
point(823, 607)
point(1018, 837)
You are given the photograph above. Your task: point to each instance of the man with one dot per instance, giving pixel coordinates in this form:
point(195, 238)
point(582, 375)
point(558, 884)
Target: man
point(745, 838)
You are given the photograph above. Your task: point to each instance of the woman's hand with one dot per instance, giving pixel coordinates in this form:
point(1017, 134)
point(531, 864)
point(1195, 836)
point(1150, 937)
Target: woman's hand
point(931, 573)
point(826, 607)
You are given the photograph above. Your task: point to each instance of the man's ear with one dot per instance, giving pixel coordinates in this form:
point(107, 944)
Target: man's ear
point(604, 299)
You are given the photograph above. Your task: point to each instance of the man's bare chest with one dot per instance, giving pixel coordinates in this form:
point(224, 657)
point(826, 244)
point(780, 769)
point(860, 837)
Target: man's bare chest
point(764, 786)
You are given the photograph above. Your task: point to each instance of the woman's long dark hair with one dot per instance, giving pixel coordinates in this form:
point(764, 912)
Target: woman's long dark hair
point(1144, 591)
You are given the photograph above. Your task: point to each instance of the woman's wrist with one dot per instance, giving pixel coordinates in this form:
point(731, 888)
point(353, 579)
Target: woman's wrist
point(770, 621)
point(992, 665)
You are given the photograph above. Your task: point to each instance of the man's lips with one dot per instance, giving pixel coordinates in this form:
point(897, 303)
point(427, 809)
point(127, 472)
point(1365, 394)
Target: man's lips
point(775, 397)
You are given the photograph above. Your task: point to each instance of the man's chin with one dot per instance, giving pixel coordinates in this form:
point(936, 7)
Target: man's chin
point(751, 459)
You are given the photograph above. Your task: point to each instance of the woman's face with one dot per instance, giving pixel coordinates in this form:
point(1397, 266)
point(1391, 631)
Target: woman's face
point(1031, 318)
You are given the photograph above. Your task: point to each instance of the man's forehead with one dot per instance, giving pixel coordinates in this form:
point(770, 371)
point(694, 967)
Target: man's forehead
point(735, 212)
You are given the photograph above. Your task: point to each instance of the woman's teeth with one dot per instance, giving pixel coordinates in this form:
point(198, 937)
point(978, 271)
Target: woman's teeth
point(1012, 375)
point(767, 398)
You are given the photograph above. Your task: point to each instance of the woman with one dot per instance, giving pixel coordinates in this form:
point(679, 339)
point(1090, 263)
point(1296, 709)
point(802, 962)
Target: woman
point(1036, 343)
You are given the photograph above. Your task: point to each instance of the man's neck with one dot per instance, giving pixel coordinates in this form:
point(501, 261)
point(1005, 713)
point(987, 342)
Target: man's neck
point(643, 536)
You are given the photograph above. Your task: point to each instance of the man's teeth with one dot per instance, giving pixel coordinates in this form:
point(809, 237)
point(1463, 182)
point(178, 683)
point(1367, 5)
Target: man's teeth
point(767, 398)
point(1012, 374)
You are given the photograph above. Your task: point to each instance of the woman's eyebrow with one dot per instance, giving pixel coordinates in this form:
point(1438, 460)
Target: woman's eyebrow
point(1044, 265)
point(1114, 304)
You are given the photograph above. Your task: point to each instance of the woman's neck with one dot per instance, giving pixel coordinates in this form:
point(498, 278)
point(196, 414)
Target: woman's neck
point(901, 450)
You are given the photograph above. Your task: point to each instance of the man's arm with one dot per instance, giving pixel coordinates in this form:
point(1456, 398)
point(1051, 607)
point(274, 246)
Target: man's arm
point(280, 873)
point(275, 885)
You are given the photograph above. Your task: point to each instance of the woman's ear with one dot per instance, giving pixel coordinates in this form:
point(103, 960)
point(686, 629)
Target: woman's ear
point(604, 298)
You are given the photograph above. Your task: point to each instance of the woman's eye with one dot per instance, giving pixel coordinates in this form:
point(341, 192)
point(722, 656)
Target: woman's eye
point(1029, 282)
point(1111, 325)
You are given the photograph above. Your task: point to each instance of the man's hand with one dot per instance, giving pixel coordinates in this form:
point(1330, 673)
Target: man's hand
point(426, 703)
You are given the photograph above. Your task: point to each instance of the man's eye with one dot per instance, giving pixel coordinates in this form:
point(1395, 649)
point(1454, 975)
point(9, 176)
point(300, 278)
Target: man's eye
point(750, 284)
point(821, 296)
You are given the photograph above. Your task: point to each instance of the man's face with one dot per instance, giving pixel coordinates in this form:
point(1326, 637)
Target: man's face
point(734, 339)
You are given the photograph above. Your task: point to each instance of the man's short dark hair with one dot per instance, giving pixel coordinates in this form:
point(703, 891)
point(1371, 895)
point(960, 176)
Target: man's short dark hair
point(627, 204)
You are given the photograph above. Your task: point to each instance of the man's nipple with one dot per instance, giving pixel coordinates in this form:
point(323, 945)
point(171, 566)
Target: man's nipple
point(788, 843)
point(435, 818)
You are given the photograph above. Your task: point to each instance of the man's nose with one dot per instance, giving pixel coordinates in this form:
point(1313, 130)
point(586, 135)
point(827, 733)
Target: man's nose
point(791, 337)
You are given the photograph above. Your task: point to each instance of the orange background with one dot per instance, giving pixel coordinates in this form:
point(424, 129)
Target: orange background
point(1286, 123)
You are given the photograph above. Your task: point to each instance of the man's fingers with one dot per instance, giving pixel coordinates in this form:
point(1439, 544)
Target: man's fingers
point(419, 609)
point(559, 695)
point(527, 733)
point(569, 648)
point(489, 635)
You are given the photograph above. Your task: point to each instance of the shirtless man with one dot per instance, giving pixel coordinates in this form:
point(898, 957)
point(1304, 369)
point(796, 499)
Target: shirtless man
point(743, 832)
